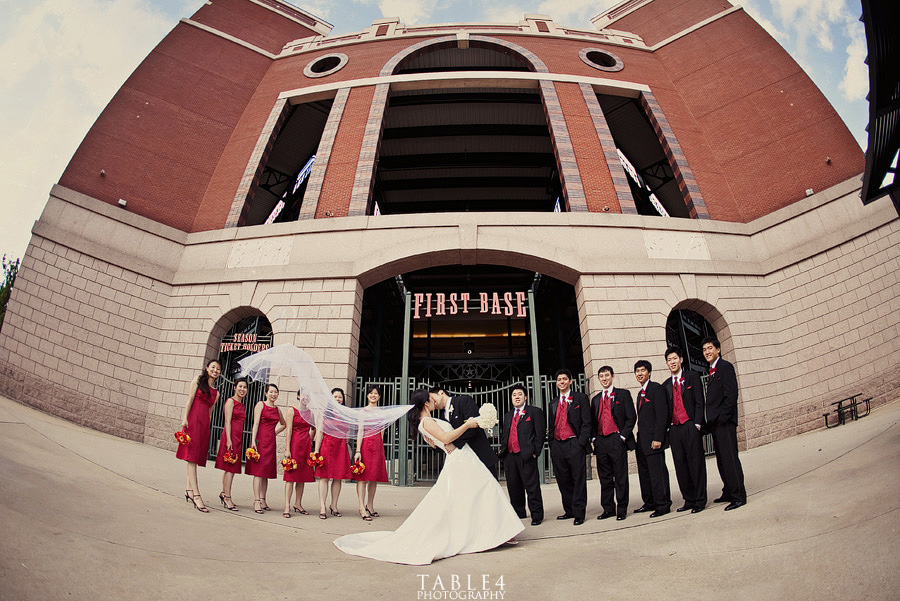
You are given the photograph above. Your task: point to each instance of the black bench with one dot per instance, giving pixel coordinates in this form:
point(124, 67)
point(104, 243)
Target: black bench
point(847, 407)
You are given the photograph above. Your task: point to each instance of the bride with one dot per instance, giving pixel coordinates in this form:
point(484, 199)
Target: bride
point(465, 511)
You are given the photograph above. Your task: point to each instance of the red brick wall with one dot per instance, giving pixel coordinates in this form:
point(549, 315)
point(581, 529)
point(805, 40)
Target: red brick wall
point(161, 135)
point(662, 19)
point(252, 23)
point(338, 185)
point(763, 128)
point(595, 176)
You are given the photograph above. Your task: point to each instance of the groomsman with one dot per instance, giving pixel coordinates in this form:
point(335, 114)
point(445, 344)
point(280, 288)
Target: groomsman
point(653, 422)
point(569, 435)
point(612, 423)
point(684, 391)
point(520, 445)
point(722, 419)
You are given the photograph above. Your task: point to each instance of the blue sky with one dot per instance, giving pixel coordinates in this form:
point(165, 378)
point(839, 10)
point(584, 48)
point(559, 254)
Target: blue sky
point(64, 59)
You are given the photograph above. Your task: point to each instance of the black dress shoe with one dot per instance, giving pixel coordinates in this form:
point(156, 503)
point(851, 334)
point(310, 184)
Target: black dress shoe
point(735, 505)
point(683, 508)
point(697, 509)
point(642, 509)
point(722, 499)
point(605, 515)
point(565, 516)
point(536, 522)
point(658, 513)
point(619, 518)
point(578, 522)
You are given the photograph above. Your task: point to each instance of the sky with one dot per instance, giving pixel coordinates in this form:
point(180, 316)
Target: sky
point(61, 61)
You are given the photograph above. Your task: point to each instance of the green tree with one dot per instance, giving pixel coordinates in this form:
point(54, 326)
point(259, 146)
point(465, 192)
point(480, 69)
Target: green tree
point(10, 269)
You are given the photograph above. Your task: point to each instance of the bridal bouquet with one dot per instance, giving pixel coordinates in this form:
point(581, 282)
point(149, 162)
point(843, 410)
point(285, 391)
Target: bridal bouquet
point(252, 454)
point(289, 464)
point(315, 460)
point(487, 417)
point(230, 457)
point(182, 437)
point(357, 468)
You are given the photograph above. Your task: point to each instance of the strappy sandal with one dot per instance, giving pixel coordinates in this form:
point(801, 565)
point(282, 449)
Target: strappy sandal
point(335, 512)
point(374, 514)
point(365, 516)
point(286, 514)
point(203, 509)
point(255, 510)
point(300, 510)
point(222, 498)
point(323, 516)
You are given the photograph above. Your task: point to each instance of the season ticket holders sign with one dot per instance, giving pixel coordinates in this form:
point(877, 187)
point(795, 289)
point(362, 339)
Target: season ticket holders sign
point(245, 342)
point(438, 304)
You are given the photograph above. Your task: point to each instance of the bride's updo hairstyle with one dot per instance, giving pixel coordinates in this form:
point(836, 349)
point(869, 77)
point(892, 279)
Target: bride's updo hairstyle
point(418, 400)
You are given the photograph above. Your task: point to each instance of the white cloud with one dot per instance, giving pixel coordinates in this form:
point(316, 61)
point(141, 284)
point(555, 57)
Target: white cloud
point(411, 12)
point(63, 60)
point(855, 83)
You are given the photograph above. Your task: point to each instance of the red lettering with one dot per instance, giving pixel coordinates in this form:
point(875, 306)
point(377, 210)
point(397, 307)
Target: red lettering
point(484, 302)
point(495, 306)
point(441, 300)
point(520, 304)
point(465, 299)
point(417, 301)
point(507, 298)
point(453, 308)
point(427, 304)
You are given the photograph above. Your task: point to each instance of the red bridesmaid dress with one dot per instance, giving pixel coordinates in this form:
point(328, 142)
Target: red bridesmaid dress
point(265, 444)
point(372, 456)
point(238, 414)
point(198, 428)
point(337, 459)
point(301, 445)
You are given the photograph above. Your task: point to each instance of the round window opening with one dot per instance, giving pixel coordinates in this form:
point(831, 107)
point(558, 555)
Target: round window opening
point(601, 59)
point(325, 65)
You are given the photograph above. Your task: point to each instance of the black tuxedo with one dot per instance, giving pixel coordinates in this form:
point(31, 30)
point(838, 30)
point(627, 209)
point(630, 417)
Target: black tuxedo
point(686, 440)
point(569, 456)
point(722, 418)
point(463, 407)
point(612, 450)
point(521, 468)
point(653, 423)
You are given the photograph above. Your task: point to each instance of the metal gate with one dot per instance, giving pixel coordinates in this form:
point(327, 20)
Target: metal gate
point(255, 394)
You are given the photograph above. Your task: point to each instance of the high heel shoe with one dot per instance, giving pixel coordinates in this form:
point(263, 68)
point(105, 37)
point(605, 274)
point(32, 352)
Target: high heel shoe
point(257, 502)
point(335, 512)
point(203, 509)
point(222, 498)
point(300, 510)
point(365, 515)
point(188, 495)
point(264, 505)
point(374, 514)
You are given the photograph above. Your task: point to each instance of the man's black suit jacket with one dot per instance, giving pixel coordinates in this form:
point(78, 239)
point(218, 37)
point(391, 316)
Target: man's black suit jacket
point(653, 418)
point(722, 395)
point(579, 416)
point(531, 429)
point(463, 407)
point(691, 396)
point(622, 412)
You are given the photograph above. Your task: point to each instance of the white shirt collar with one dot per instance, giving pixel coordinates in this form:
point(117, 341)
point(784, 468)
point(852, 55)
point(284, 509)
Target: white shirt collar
point(713, 364)
point(679, 375)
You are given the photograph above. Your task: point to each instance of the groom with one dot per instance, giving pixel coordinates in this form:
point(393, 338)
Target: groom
point(457, 410)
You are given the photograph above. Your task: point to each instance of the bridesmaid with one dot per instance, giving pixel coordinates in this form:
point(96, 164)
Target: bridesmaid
point(370, 450)
point(265, 417)
point(195, 422)
point(232, 440)
point(298, 444)
point(336, 466)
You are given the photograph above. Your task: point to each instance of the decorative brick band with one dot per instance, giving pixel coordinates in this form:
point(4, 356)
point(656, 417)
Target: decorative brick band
point(573, 190)
point(323, 154)
point(243, 198)
point(368, 153)
point(683, 174)
point(619, 177)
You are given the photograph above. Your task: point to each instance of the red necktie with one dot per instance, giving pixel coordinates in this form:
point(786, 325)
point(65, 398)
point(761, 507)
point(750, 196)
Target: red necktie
point(514, 434)
point(712, 372)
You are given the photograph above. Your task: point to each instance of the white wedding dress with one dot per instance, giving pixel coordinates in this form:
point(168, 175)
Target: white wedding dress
point(465, 511)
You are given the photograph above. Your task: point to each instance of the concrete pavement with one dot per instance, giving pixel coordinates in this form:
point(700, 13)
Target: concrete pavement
point(84, 515)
